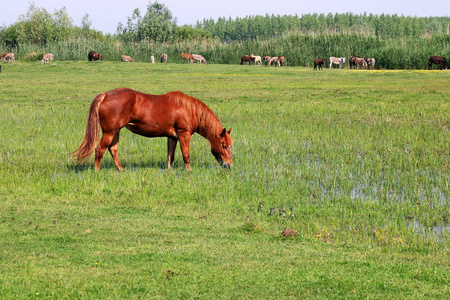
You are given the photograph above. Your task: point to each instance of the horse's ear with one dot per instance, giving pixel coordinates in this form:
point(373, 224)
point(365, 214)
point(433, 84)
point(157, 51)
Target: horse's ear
point(222, 134)
point(229, 131)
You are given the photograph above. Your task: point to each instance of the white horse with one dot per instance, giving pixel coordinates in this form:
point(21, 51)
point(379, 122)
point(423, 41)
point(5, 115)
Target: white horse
point(337, 61)
point(199, 58)
point(152, 59)
point(257, 59)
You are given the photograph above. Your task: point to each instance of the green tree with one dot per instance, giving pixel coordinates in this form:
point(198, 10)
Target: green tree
point(158, 24)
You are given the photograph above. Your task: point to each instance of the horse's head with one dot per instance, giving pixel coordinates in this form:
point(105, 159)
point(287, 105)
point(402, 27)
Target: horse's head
point(221, 149)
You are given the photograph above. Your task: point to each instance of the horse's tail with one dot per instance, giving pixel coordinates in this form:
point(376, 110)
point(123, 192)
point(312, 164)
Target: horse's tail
point(92, 133)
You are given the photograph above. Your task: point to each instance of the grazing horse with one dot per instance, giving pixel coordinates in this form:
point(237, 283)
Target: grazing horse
point(46, 58)
point(276, 59)
point(319, 62)
point(187, 56)
point(174, 115)
point(247, 59)
point(98, 56)
point(337, 61)
point(267, 59)
point(438, 60)
point(199, 58)
point(360, 61)
point(127, 58)
point(91, 55)
point(8, 57)
point(163, 58)
point(257, 59)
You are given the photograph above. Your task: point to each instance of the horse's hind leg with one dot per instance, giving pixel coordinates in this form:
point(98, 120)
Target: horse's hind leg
point(171, 146)
point(105, 142)
point(114, 150)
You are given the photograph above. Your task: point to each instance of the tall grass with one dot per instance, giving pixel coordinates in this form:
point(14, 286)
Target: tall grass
point(300, 49)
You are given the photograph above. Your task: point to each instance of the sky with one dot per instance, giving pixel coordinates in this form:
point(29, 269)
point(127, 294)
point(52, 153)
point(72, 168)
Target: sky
point(105, 15)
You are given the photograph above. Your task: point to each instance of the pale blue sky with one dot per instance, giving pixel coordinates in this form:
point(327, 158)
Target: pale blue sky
point(105, 15)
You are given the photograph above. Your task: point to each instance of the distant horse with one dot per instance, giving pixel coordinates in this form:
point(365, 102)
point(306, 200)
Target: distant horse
point(267, 59)
point(199, 58)
point(319, 62)
point(163, 58)
point(438, 60)
point(127, 58)
point(187, 56)
point(337, 61)
point(98, 56)
point(174, 115)
point(91, 55)
point(152, 59)
point(46, 58)
point(8, 57)
point(277, 59)
point(247, 59)
point(352, 61)
point(370, 63)
point(257, 59)
point(360, 61)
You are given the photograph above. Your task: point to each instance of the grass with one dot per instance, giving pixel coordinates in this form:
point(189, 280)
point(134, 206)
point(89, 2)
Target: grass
point(355, 162)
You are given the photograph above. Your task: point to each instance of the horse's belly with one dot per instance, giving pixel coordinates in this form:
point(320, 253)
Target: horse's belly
point(151, 131)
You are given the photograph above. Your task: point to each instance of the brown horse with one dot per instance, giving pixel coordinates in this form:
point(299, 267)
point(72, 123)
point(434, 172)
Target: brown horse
point(8, 57)
point(174, 115)
point(127, 58)
point(187, 56)
point(319, 62)
point(438, 60)
point(98, 56)
point(247, 59)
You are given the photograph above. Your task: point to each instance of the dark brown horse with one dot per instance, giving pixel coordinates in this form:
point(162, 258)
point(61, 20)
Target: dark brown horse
point(319, 62)
point(438, 60)
point(247, 59)
point(352, 61)
point(174, 115)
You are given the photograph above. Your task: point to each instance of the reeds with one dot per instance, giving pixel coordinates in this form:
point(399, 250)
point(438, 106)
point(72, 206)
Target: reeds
point(300, 49)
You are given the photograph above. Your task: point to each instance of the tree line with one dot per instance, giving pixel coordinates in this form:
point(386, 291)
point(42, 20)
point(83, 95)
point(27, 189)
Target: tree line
point(383, 26)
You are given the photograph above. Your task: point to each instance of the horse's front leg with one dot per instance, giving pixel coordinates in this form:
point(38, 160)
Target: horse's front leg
point(171, 146)
point(185, 140)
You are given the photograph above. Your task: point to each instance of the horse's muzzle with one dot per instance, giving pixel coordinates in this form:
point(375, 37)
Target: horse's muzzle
point(227, 165)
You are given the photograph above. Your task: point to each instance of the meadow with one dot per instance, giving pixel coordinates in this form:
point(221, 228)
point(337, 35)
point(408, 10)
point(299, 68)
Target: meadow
point(354, 162)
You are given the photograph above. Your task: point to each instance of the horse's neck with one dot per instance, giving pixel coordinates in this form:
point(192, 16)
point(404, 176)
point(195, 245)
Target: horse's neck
point(209, 126)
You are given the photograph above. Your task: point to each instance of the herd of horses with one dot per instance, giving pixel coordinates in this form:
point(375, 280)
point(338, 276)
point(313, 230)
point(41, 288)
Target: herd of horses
point(256, 59)
point(355, 62)
point(368, 63)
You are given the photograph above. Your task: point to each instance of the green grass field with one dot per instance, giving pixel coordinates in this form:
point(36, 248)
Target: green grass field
point(355, 162)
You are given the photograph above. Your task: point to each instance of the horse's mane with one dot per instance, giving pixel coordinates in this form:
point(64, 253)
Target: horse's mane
point(209, 125)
